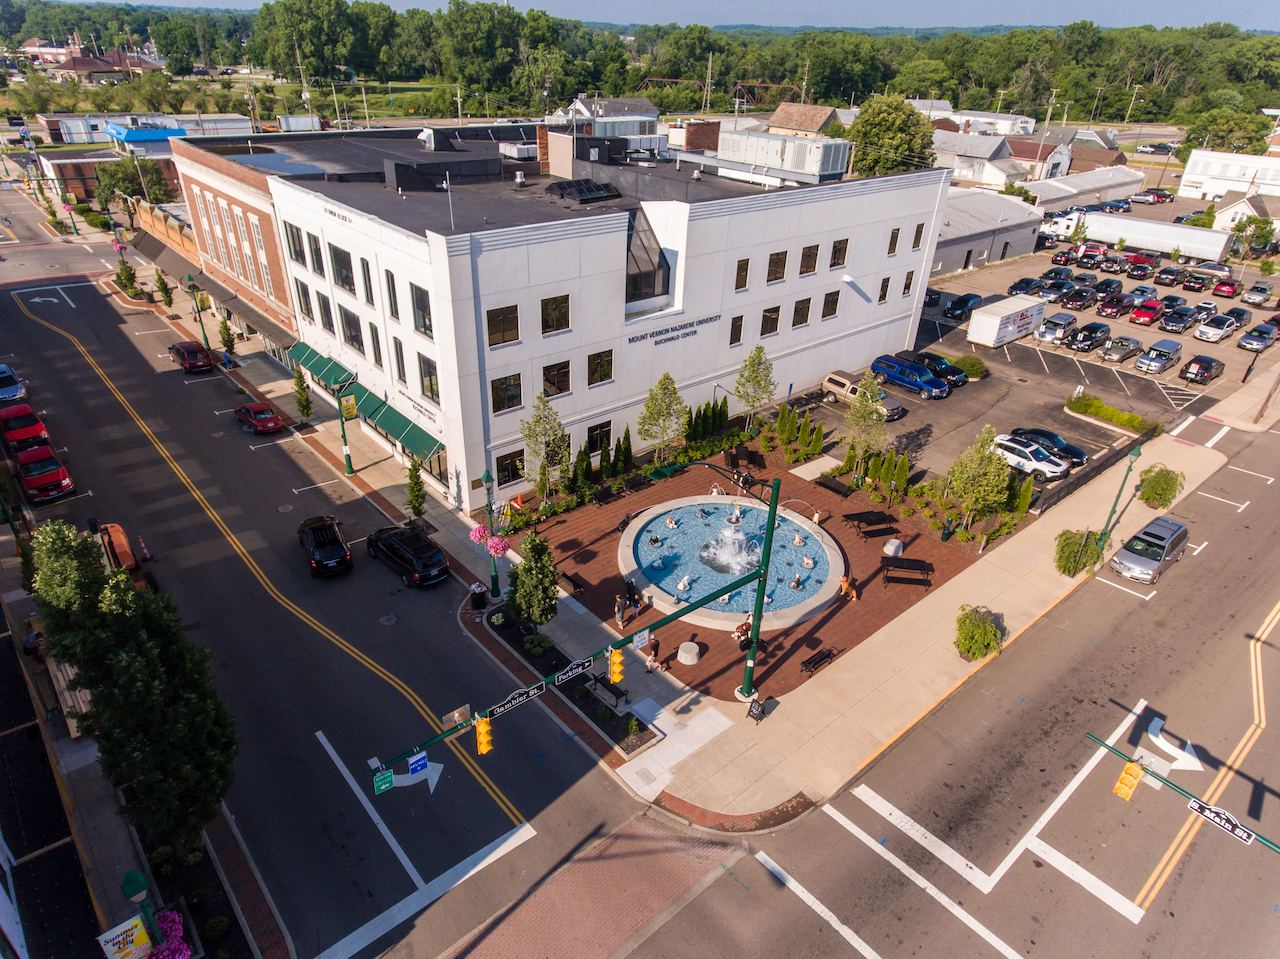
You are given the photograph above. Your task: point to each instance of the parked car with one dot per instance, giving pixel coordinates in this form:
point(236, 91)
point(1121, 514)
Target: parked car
point(1045, 241)
point(326, 548)
point(1227, 287)
point(1055, 290)
point(1055, 329)
point(1151, 258)
point(192, 357)
point(410, 552)
point(1146, 292)
point(11, 387)
point(1028, 457)
point(942, 368)
point(1109, 286)
point(1064, 257)
point(1261, 337)
point(1257, 295)
point(259, 417)
point(910, 376)
point(1089, 337)
point(1120, 348)
point(1147, 313)
point(1053, 444)
point(1081, 298)
point(931, 298)
point(1172, 301)
point(1159, 357)
point(1218, 271)
point(1171, 276)
point(1178, 320)
point(1202, 369)
point(1085, 279)
point(1206, 309)
point(1117, 305)
point(22, 428)
point(1140, 271)
point(1164, 196)
point(1028, 284)
point(1155, 548)
point(960, 308)
point(1196, 283)
point(43, 475)
point(1145, 196)
point(1116, 206)
point(1057, 273)
point(1113, 264)
point(1216, 329)
point(843, 386)
point(1090, 261)
point(1242, 316)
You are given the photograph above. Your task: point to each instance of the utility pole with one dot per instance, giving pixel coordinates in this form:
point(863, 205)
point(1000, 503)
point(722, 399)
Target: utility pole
point(1047, 119)
point(302, 77)
point(1132, 101)
point(337, 113)
point(1065, 111)
point(458, 97)
point(1096, 101)
point(804, 84)
point(1001, 100)
point(706, 90)
point(364, 96)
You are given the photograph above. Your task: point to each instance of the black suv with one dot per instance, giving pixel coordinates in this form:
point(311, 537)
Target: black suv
point(411, 553)
point(326, 547)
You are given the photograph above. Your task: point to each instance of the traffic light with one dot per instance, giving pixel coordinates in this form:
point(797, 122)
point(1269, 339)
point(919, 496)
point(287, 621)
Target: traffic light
point(1128, 781)
point(615, 666)
point(484, 737)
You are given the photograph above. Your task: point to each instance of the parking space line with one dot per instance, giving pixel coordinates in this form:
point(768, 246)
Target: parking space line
point(1126, 589)
point(1080, 367)
point(1269, 479)
point(262, 446)
point(1116, 371)
point(1043, 362)
point(1195, 550)
point(1239, 506)
point(1085, 879)
point(1182, 426)
point(1217, 436)
point(808, 898)
point(316, 486)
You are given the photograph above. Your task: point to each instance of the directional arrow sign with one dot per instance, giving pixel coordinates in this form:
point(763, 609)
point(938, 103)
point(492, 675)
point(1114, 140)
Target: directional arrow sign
point(1187, 759)
point(44, 299)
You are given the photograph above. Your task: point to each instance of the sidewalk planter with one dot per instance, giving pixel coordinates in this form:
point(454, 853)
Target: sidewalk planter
point(978, 634)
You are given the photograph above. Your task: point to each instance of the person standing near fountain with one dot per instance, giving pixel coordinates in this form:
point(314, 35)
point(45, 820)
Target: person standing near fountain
point(633, 598)
point(653, 656)
point(619, 608)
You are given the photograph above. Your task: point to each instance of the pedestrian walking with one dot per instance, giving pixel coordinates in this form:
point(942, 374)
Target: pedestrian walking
point(653, 656)
point(633, 598)
point(847, 589)
point(619, 608)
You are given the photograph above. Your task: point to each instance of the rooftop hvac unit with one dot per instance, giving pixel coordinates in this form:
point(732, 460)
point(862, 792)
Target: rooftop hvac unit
point(520, 178)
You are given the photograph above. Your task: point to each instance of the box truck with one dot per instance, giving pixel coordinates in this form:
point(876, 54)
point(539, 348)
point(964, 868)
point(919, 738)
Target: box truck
point(1005, 320)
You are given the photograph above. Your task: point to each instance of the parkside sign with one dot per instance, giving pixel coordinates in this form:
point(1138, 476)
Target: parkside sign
point(672, 333)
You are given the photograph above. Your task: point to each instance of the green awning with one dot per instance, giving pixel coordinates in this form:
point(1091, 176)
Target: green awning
point(328, 371)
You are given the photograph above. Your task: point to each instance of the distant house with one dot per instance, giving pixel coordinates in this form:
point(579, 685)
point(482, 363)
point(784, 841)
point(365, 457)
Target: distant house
point(1235, 206)
point(933, 108)
point(46, 51)
point(1086, 158)
point(1082, 189)
point(1095, 139)
point(1004, 124)
point(1042, 161)
point(111, 66)
point(1211, 175)
point(979, 161)
point(802, 120)
point(584, 106)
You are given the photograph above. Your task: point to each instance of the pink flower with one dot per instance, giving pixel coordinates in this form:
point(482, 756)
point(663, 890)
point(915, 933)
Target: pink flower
point(498, 546)
point(480, 535)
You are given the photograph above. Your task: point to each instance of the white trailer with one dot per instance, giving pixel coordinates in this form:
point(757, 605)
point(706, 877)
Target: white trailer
point(1194, 244)
point(1007, 319)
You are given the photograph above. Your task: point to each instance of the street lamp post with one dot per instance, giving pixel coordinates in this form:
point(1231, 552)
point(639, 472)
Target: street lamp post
point(342, 425)
point(192, 288)
point(135, 888)
point(1106, 530)
point(487, 480)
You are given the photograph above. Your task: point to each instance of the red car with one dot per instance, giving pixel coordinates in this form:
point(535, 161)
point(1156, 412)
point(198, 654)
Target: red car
point(192, 357)
point(259, 417)
point(43, 475)
point(1226, 288)
point(22, 428)
point(1148, 312)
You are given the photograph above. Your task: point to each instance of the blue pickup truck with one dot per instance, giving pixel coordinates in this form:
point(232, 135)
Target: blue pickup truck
point(910, 376)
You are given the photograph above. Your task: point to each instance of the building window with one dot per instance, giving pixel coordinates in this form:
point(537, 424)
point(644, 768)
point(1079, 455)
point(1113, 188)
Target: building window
point(367, 278)
point(600, 437)
point(555, 378)
point(800, 317)
point(304, 300)
point(504, 325)
point(243, 232)
point(735, 331)
point(915, 244)
point(231, 238)
point(340, 263)
point(296, 252)
point(808, 260)
point(740, 281)
point(769, 321)
point(430, 384)
point(599, 367)
point(839, 250)
point(376, 344)
point(893, 241)
point(326, 312)
point(393, 302)
point(256, 227)
point(884, 290)
point(510, 467)
point(831, 304)
point(351, 334)
point(968, 259)
point(555, 314)
point(906, 284)
point(777, 267)
point(208, 233)
point(421, 309)
point(398, 349)
point(506, 392)
point(317, 258)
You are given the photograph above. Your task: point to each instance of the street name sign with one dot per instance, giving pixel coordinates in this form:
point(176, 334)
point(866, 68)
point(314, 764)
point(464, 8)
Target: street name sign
point(517, 698)
point(1222, 819)
point(574, 669)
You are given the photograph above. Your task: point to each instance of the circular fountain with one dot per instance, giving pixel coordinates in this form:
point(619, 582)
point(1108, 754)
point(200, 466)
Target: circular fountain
point(690, 548)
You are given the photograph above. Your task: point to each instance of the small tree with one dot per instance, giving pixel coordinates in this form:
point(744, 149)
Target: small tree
point(724, 413)
point(1120, 244)
point(628, 463)
point(227, 336)
point(546, 445)
point(1266, 267)
point(873, 468)
point(1076, 550)
point(755, 385)
point(1024, 497)
point(691, 425)
point(662, 415)
point(1021, 192)
point(1204, 219)
point(901, 473)
point(977, 633)
point(302, 395)
point(606, 464)
point(617, 464)
point(415, 494)
point(864, 421)
point(536, 593)
point(888, 467)
point(1081, 232)
point(164, 289)
point(805, 434)
point(979, 479)
point(818, 441)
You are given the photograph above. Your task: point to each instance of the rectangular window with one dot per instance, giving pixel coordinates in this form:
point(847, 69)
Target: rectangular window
point(599, 367)
point(263, 265)
point(777, 267)
point(398, 349)
point(893, 241)
point(317, 258)
point(204, 222)
point(555, 314)
point(340, 262)
point(600, 437)
point(393, 302)
point(366, 277)
point(769, 321)
point(906, 284)
point(735, 331)
point(375, 344)
point(231, 238)
point(915, 244)
point(506, 392)
point(351, 334)
point(421, 309)
point(884, 290)
point(831, 304)
point(430, 384)
point(510, 467)
point(294, 236)
point(304, 299)
point(504, 325)
point(808, 260)
point(839, 250)
point(740, 281)
point(555, 378)
point(243, 232)
point(800, 316)
point(326, 312)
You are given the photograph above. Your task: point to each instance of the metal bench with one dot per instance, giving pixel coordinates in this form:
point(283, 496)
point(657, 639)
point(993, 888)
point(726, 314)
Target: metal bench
point(570, 583)
point(899, 569)
point(830, 483)
point(817, 661)
point(619, 694)
point(604, 494)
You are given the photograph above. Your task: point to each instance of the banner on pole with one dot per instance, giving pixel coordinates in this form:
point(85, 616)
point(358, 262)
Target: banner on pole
point(129, 940)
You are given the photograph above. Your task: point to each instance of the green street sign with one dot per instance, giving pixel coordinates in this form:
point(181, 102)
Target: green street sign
point(383, 780)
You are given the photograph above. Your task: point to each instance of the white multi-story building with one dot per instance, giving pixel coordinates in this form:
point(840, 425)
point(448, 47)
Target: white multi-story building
point(1211, 175)
point(455, 307)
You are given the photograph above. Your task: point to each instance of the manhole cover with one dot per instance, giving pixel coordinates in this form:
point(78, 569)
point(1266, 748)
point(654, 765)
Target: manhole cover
point(389, 620)
point(284, 509)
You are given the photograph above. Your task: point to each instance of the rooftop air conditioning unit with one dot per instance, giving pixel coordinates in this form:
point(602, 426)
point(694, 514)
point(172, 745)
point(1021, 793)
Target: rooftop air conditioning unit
point(520, 178)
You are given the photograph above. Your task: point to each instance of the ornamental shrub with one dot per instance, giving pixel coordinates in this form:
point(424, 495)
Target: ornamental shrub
point(1158, 486)
point(977, 632)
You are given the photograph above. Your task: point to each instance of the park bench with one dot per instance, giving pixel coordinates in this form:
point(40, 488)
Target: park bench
point(899, 569)
point(637, 481)
point(871, 524)
point(619, 694)
point(830, 483)
point(570, 583)
point(817, 661)
point(604, 494)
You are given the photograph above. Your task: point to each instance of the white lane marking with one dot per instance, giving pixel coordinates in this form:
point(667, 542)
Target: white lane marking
point(1080, 367)
point(40, 289)
point(1184, 759)
point(147, 332)
point(1126, 589)
point(104, 263)
point(316, 486)
point(992, 939)
point(67, 298)
point(812, 902)
point(1217, 436)
point(1085, 879)
point(1196, 549)
point(202, 379)
point(87, 247)
point(262, 446)
point(1043, 361)
point(925, 838)
point(1269, 479)
point(1239, 506)
point(1116, 371)
point(1182, 426)
point(415, 902)
point(220, 412)
point(55, 502)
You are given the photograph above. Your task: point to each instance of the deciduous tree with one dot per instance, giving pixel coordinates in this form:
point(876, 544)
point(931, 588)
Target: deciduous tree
point(663, 415)
point(546, 445)
point(890, 136)
point(979, 479)
point(755, 385)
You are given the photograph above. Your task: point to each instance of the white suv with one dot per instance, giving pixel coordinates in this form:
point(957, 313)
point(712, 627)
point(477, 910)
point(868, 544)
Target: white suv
point(1027, 457)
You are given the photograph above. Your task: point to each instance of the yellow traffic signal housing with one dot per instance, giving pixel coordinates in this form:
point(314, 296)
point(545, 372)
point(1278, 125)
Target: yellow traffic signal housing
point(484, 737)
point(615, 666)
point(1128, 781)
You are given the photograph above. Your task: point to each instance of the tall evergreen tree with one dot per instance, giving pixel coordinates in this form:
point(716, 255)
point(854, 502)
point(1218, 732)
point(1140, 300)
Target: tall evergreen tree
point(536, 586)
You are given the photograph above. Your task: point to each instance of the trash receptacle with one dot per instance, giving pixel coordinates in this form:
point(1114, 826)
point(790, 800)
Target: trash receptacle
point(479, 596)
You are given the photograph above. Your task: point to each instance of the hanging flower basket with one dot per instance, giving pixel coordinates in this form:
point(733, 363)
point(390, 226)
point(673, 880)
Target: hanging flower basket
point(480, 535)
point(498, 546)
